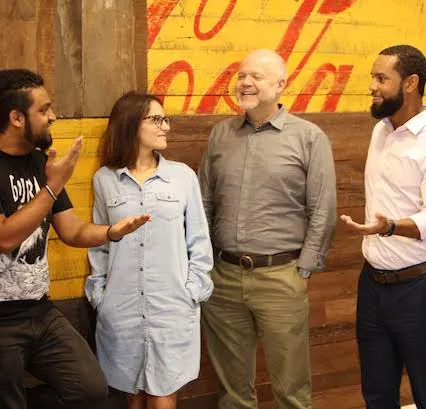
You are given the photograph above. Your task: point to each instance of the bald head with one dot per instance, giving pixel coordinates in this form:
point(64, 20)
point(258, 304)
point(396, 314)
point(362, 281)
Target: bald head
point(270, 60)
point(261, 80)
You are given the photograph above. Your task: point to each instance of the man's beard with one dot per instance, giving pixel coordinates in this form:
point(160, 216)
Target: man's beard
point(388, 107)
point(43, 141)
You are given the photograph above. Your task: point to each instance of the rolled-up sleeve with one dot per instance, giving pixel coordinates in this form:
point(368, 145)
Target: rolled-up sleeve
point(419, 218)
point(98, 256)
point(320, 202)
point(198, 243)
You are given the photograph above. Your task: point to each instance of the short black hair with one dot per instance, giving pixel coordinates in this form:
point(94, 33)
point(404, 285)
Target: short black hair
point(410, 61)
point(15, 85)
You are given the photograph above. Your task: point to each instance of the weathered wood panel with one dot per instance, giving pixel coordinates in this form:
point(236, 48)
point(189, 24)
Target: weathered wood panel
point(89, 52)
point(108, 54)
point(67, 86)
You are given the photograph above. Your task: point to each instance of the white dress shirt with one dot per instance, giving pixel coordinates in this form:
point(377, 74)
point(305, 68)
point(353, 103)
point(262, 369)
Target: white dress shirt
point(395, 185)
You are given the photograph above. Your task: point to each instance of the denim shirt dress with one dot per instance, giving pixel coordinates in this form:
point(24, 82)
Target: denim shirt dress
point(147, 287)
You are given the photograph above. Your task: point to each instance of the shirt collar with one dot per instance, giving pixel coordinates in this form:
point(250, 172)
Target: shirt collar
point(417, 122)
point(414, 125)
point(277, 120)
point(163, 169)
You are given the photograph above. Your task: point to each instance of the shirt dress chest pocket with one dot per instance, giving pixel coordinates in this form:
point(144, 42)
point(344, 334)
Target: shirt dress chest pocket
point(168, 206)
point(117, 208)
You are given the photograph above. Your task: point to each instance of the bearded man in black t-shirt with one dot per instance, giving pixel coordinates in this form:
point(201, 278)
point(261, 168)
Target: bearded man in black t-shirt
point(34, 335)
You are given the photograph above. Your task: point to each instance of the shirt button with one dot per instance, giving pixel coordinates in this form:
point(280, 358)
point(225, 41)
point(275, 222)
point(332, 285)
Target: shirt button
point(141, 292)
point(141, 203)
point(143, 316)
point(141, 244)
point(141, 269)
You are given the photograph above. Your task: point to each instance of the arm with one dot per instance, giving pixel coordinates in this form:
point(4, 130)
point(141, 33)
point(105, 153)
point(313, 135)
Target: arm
point(78, 233)
point(321, 204)
point(198, 244)
point(19, 226)
point(205, 183)
point(403, 227)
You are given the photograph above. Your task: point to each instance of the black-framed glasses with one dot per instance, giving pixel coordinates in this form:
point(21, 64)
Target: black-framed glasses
point(159, 120)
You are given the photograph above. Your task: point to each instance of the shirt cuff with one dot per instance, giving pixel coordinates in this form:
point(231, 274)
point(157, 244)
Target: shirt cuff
point(420, 220)
point(95, 297)
point(198, 294)
point(311, 260)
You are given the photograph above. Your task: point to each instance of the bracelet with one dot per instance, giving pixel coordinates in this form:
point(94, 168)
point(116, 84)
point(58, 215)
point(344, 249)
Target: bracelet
point(109, 237)
point(51, 193)
point(390, 231)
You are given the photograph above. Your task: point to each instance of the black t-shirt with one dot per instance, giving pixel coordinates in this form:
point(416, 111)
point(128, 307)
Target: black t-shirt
point(24, 273)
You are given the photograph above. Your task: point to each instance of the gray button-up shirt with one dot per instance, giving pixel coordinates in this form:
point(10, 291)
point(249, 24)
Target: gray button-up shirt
point(271, 189)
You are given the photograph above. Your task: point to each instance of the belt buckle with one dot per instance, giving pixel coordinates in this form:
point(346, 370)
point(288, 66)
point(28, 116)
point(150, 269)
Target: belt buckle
point(244, 259)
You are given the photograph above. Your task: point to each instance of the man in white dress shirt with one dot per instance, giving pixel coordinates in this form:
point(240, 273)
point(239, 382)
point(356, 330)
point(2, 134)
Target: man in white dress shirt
point(391, 310)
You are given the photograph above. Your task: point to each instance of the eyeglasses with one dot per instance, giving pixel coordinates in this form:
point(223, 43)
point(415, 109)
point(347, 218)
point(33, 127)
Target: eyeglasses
point(159, 120)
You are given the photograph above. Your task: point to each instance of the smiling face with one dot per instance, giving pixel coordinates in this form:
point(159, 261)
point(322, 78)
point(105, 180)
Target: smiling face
point(260, 81)
point(386, 87)
point(151, 136)
point(39, 117)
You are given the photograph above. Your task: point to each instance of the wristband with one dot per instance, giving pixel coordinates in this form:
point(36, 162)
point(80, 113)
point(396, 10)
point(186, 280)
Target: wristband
point(109, 237)
point(390, 231)
point(51, 193)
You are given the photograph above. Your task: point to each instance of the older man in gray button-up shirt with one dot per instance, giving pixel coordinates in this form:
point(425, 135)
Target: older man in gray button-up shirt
point(268, 186)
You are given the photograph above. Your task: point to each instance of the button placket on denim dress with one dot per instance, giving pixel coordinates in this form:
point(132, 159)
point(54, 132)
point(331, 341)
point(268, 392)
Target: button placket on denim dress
point(148, 286)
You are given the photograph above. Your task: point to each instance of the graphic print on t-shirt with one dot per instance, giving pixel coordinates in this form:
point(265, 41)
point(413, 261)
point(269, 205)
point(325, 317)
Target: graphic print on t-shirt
point(23, 272)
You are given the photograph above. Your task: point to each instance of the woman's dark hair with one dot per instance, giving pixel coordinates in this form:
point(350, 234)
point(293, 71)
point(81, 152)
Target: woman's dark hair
point(15, 86)
point(410, 61)
point(120, 145)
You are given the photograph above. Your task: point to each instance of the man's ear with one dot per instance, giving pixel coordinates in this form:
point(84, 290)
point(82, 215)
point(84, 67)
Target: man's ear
point(17, 118)
point(411, 83)
point(281, 84)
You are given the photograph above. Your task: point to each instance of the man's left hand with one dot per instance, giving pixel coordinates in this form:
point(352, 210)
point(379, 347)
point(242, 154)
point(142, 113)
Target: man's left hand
point(380, 225)
point(127, 225)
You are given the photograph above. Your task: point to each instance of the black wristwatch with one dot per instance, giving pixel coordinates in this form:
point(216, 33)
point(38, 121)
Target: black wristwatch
point(390, 231)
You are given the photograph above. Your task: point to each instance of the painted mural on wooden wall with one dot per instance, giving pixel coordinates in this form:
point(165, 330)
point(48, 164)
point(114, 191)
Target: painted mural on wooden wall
point(195, 47)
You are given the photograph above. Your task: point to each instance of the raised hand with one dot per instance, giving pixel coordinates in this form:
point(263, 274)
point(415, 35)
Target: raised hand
point(127, 225)
point(380, 225)
point(59, 171)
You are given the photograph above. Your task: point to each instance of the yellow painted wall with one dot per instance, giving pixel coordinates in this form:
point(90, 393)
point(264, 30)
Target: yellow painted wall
point(354, 31)
point(69, 266)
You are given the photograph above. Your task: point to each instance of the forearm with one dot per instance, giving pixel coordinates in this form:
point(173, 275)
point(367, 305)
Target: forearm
point(87, 235)
point(406, 228)
point(20, 225)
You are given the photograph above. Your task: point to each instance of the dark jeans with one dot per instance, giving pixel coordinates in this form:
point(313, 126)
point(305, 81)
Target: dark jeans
point(391, 333)
point(47, 346)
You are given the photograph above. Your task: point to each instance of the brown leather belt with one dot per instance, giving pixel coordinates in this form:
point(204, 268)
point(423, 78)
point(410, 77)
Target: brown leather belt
point(396, 276)
point(249, 261)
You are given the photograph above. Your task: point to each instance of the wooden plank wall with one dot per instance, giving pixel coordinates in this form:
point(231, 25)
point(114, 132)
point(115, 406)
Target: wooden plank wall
point(187, 51)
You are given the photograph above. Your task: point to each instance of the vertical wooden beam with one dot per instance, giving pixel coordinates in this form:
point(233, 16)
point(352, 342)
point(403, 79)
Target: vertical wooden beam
point(108, 28)
point(68, 59)
point(141, 43)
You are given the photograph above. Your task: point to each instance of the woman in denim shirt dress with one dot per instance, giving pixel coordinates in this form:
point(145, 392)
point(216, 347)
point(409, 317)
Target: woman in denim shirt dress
point(147, 287)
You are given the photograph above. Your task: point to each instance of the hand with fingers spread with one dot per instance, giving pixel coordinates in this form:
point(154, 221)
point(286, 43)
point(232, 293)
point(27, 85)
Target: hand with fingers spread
point(381, 225)
point(59, 171)
point(126, 226)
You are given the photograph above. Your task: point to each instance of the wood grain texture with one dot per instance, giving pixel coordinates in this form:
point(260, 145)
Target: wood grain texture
point(108, 54)
point(68, 65)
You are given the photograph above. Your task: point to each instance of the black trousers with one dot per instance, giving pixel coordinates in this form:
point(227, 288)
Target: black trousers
point(391, 333)
point(47, 346)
